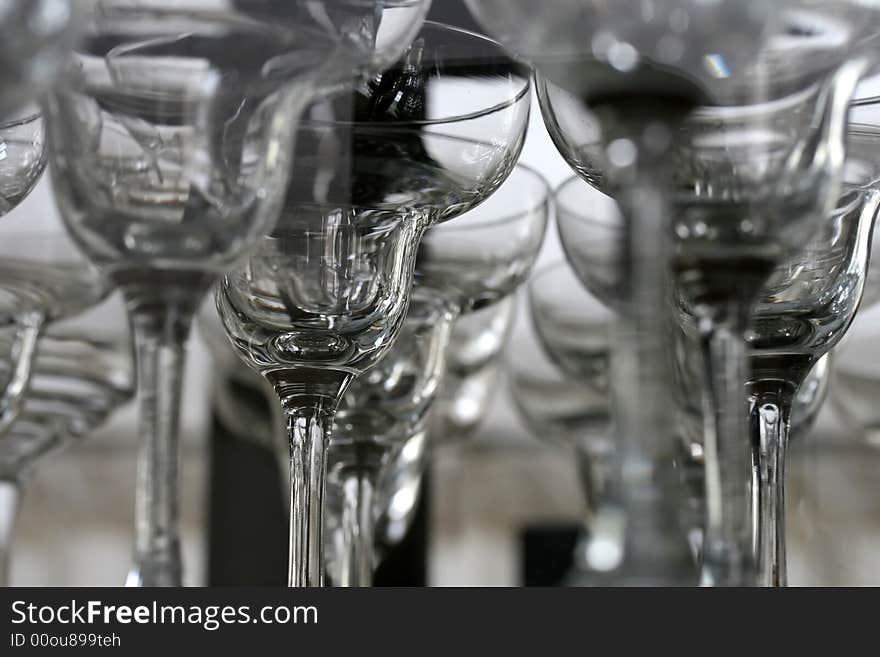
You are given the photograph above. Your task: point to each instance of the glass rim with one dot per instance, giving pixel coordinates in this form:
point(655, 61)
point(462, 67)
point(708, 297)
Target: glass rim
point(509, 217)
point(28, 117)
point(559, 264)
point(862, 129)
point(867, 100)
point(458, 118)
point(560, 204)
point(448, 224)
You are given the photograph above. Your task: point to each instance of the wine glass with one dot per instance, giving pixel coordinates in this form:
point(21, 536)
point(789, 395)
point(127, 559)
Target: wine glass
point(470, 383)
point(171, 145)
point(381, 410)
point(564, 398)
point(322, 299)
point(465, 265)
point(35, 41)
point(611, 62)
point(473, 371)
point(43, 279)
point(817, 290)
point(805, 309)
point(558, 379)
point(78, 380)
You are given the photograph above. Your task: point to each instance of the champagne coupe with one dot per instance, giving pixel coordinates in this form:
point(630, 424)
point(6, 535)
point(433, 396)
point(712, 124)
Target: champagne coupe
point(774, 60)
point(325, 294)
point(472, 370)
point(470, 383)
point(636, 75)
point(78, 380)
point(381, 411)
point(560, 390)
point(43, 279)
point(805, 309)
point(469, 264)
point(816, 291)
point(36, 37)
point(559, 383)
point(23, 151)
point(564, 398)
point(171, 145)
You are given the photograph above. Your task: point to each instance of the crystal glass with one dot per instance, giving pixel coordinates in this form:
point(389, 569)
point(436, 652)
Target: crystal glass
point(473, 377)
point(36, 37)
point(43, 279)
point(558, 379)
point(465, 265)
point(22, 157)
point(171, 137)
point(625, 87)
point(473, 370)
point(562, 394)
point(326, 293)
point(78, 379)
point(804, 309)
point(381, 411)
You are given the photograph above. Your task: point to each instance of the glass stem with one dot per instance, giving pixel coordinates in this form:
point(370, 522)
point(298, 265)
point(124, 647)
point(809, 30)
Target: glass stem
point(27, 331)
point(590, 485)
point(160, 336)
point(656, 548)
point(358, 535)
point(10, 496)
point(727, 541)
point(308, 431)
point(772, 403)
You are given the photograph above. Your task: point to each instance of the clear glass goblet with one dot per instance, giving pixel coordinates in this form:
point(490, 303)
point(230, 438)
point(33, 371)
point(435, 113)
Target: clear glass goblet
point(791, 62)
point(473, 377)
point(564, 398)
point(324, 296)
point(36, 37)
point(171, 145)
point(78, 379)
point(43, 279)
point(559, 382)
point(466, 265)
point(381, 411)
point(803, 310)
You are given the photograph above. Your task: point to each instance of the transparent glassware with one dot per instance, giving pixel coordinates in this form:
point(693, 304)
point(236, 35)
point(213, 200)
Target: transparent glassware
point(326, 293)
point(380, 412)
point(558, 379)
point(806, 308)
point(559, 382)
point(816, 291)
point(473, 376)
point(23, 151)
point(43, 279)
point(171, 146)
point(620, 94)
point(467, 265)
point(78, 380)
point(36, 37)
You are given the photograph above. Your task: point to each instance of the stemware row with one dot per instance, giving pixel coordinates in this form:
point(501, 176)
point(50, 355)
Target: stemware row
point(343, 174)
